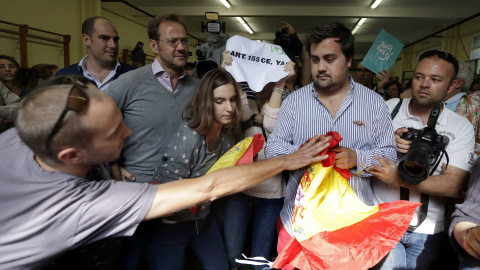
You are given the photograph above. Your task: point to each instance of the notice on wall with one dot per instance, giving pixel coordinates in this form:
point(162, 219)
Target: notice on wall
point(256, 63)
point(383, 53)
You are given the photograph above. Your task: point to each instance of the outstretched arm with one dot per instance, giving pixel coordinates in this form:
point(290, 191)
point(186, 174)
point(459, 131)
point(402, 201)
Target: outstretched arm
point(184, 193)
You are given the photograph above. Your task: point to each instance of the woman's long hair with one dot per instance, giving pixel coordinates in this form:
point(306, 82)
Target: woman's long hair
point(199, 111)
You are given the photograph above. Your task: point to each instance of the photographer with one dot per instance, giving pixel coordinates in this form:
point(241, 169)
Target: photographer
point(434, 77)
point(287, 38)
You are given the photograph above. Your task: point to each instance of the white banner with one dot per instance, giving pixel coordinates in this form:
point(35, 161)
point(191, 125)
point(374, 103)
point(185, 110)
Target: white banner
point(256, 63)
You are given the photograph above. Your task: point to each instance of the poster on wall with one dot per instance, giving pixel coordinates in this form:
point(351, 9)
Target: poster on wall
point(383, 53)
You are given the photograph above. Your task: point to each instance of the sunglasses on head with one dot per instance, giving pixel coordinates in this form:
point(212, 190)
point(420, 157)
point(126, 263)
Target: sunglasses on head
point(446, 56)
point(77, 101)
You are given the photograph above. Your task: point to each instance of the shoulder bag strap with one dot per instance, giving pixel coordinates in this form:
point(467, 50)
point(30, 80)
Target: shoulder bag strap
point(469, 106)
point(396, 109)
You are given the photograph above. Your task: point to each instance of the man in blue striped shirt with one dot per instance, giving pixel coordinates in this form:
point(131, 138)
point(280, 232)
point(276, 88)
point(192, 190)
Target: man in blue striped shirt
point(333, 102)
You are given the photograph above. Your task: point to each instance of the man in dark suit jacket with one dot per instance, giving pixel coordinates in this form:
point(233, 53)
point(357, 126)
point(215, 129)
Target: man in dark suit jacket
point(101, 64)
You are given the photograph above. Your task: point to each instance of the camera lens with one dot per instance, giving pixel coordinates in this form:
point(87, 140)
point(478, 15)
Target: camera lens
point(415, 165)
point(413, 169)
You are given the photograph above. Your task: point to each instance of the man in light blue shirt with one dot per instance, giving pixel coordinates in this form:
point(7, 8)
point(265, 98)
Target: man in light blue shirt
point(333, 102)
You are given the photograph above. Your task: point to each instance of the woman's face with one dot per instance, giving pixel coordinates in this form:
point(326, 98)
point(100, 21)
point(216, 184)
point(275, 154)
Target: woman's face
point(224, 103)
point(392, 91)
point(7, 70)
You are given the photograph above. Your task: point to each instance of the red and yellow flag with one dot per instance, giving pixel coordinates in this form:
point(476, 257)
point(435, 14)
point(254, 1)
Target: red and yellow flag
point(242, 153)
point(333, 229)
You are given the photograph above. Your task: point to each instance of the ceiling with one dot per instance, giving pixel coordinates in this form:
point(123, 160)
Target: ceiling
point(407, 20)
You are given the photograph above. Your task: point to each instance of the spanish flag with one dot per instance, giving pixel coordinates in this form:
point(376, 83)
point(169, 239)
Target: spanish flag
point(333, 229)
point(242, 153)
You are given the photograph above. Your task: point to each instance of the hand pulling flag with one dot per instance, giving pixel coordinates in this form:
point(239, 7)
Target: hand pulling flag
point(333, 229)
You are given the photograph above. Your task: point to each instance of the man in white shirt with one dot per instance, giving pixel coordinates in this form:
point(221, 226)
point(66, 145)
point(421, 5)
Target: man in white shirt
point(434, 77)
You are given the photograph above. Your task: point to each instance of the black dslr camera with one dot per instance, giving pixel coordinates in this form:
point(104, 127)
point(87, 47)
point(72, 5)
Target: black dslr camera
point(424, 151)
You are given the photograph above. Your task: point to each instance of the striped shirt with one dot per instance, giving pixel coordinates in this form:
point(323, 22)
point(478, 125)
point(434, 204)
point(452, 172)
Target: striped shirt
point(363, 120)
point(250, 93)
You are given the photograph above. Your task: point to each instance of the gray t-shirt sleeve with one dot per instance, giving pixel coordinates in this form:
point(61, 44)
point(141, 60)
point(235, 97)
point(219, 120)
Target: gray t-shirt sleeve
point(469, 211)
point(113, 209)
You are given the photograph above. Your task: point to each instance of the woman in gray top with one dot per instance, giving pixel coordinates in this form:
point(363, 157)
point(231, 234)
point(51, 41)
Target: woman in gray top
point(211, 128)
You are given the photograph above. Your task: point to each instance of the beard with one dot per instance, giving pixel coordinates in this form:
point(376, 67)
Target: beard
point(329, 84)
point(428, 101)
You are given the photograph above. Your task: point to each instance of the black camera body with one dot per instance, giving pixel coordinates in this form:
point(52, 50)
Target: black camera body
point(426, 147)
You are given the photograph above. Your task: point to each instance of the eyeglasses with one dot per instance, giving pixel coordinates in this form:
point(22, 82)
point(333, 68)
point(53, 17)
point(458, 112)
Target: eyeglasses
point(77, 101)
point(11, 66)
point(174, 42)
point(442, 55)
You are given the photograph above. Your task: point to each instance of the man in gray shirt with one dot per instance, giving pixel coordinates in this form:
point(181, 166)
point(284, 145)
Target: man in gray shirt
point(48, 207)
point(153, 97)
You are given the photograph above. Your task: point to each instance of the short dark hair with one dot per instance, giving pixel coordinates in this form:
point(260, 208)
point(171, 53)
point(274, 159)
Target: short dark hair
point(28, 77)
point(445, 56)
point(11, 59)
point(88, 26)
point(199, 111)
point(399, 86)
point(334, 30)
point(155, 22)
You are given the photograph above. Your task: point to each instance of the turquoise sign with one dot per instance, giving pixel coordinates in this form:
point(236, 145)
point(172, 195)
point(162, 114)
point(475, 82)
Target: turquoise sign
point(383, 53)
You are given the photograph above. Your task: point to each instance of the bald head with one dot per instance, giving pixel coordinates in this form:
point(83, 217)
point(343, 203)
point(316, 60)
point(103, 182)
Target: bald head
point(88, 26)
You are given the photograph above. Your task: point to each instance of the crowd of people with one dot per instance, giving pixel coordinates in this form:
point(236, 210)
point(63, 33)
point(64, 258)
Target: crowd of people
point(105, 163)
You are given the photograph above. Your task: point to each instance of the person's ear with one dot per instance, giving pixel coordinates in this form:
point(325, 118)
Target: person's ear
point(70, 155)
point(154, 46)
point(87, 40)
point(40, 82)
point(452, 86)
point(460, 83)
point(349, 62)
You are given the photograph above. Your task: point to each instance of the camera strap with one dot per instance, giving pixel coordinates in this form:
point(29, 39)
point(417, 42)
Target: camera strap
point(405, 194)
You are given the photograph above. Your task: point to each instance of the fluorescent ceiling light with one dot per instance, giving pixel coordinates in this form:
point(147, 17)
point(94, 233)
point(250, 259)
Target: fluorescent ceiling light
point(245, 25)
point(362, 20)
point(355, 29)
point(227, 5)
point(375, 4)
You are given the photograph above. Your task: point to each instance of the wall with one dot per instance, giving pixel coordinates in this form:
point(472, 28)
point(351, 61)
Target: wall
point(66, 17)
point(456, 40)
point(44, 15)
